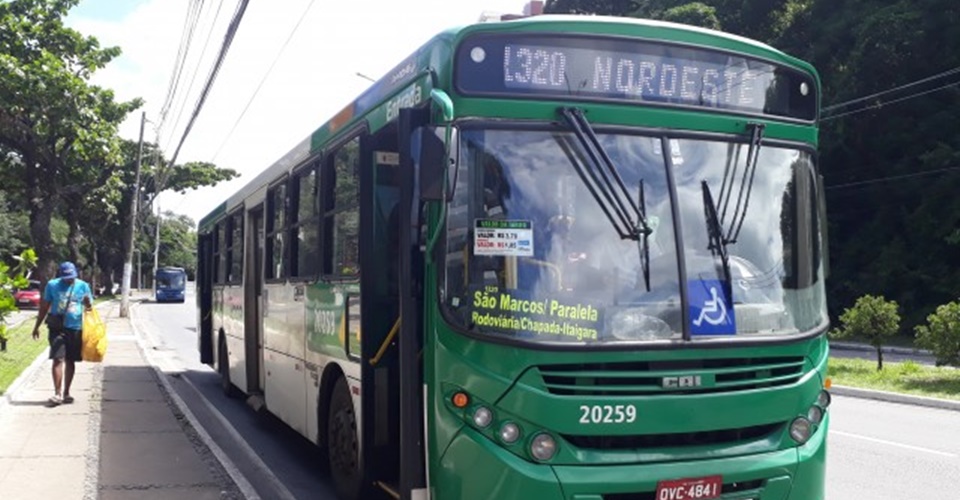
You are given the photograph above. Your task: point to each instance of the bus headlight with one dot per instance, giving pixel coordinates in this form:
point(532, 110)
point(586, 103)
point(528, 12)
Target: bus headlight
point(482, 417)
point(815, 414)
point(543, 447)
point(801, 429)
point(823, 399)
point(509, 433)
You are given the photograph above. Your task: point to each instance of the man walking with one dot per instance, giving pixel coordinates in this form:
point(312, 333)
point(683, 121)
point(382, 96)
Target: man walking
point(62, 299)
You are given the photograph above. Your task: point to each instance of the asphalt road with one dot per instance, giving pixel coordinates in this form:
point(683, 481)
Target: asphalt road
point(277, 462)
point(889, 451)
point(876, 450)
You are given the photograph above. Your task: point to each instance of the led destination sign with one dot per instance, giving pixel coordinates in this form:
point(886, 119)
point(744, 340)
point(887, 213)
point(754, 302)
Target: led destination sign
point(594, 68)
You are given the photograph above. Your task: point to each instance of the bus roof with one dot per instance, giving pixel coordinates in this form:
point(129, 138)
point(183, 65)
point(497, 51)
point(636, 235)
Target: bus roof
point(427, 56)
point(170, 269)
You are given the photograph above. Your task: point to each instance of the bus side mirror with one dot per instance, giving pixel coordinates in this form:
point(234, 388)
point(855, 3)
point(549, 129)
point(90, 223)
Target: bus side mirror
point(432, 160)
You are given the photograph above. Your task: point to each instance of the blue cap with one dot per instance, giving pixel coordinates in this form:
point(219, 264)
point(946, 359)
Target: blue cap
point(67, 270)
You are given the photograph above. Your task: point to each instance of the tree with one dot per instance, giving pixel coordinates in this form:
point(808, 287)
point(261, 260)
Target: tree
point(109, 205)
point(55, 128)
point(14, 237)
point(178, 243)
point(695, 14)
point(941, 334)
point(872, 318)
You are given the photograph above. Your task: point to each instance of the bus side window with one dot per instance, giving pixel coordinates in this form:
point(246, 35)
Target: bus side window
point(233, 257)
point(341, 211)
point(304, 231)
point(276, 227)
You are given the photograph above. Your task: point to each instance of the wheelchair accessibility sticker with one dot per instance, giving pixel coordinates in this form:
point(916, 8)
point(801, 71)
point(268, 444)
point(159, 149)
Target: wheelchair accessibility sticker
point(711, 311)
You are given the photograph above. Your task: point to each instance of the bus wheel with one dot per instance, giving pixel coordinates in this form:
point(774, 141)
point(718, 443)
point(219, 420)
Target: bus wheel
point(223, 366)
point(343, 448)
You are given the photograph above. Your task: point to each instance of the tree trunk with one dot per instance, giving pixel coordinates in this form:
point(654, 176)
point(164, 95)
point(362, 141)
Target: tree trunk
point(41, 212)
point(74, 237)
point(94, 270)
point(879, 357)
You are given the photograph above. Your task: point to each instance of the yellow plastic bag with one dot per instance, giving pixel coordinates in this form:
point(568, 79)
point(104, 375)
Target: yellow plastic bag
point(94, 337)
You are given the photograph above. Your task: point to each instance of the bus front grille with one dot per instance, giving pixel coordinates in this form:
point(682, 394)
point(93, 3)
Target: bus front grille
point(676, 440)
point(679, 377)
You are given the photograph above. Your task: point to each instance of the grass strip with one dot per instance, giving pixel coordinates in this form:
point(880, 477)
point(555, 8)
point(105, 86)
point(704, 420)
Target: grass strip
point(21, 351)
point(908, 377)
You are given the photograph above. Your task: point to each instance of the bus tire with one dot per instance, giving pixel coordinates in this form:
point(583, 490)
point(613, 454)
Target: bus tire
point(223, 366)
point(343, 447)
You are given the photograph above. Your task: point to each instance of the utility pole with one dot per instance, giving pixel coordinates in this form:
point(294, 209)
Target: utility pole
point(156, 246)
point(132, 230)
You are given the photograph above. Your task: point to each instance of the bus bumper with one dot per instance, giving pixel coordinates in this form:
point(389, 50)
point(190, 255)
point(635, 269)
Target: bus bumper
point(473, 467)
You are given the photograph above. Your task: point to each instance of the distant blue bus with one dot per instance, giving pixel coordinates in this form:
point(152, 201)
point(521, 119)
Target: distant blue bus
point(170, 284)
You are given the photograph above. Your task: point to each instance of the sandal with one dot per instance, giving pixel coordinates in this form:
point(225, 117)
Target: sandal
point(55, 400)
point(67, 400)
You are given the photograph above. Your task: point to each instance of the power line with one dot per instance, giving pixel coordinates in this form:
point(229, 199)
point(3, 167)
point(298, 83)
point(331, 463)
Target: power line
point(264, 79)
point(893, 178)
point(196, 71)
point(901, 87)
point(227, 40)
point(186, 39)
point(882, 104)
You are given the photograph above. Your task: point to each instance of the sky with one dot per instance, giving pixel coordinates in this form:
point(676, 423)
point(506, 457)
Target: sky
point(314, 76)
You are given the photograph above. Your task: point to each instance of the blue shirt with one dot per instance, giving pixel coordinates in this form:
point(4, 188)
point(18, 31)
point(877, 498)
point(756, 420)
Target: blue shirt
point(67, 299)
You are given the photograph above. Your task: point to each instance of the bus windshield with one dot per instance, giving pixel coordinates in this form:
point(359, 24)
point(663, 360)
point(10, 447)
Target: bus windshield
point(531, 255)
point(171, 279)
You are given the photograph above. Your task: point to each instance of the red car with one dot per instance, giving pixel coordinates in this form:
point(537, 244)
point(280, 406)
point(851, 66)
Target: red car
point(28, 297)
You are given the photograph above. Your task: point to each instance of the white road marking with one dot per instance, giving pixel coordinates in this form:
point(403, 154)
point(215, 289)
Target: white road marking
point(892, 443)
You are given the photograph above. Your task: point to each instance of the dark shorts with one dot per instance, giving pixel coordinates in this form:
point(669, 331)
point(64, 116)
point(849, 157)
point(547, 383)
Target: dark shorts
point(66, 344)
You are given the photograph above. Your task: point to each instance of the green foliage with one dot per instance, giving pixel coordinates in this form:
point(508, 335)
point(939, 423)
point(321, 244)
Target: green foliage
point(14, 236)
point(21, 351)
point(10, 279)
point(872, 318)
point(907, 378)
point(598, 7)
point(178, 243)
point(195, 175)
point(695, 13)
point(57, 131)
point(941, 334)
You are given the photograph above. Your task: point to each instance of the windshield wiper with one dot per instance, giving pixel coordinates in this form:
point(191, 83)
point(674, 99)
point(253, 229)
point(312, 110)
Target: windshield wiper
point(719, 237)
point(717, 243)
point(604, 182)
point(746, 186)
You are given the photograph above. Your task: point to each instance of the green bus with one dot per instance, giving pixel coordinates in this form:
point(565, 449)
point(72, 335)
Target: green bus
point(554, 257)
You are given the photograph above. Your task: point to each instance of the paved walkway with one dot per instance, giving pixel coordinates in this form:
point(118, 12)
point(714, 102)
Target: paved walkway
point(122, 438)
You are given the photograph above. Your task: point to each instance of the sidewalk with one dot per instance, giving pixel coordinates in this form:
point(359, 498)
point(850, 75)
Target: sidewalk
point(122, 438)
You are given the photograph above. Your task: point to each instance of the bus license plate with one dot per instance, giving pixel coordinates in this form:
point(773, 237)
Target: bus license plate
point(698, 488)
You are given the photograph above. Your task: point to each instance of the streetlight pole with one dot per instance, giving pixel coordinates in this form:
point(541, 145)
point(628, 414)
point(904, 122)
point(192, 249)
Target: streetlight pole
point(132, 229)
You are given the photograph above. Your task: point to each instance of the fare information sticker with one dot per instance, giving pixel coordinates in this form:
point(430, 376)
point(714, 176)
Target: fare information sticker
point(503, 238)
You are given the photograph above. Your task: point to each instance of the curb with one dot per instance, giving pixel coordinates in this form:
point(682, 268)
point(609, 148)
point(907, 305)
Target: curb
point(29, 372)
point(893, 397)
point(243, 485)
point(25, 376)
point(853, 346)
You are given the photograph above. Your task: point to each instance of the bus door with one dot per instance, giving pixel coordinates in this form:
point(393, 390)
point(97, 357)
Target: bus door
point(380, 397)
point(205, 297)
point(253, 294)
point(393, 338)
